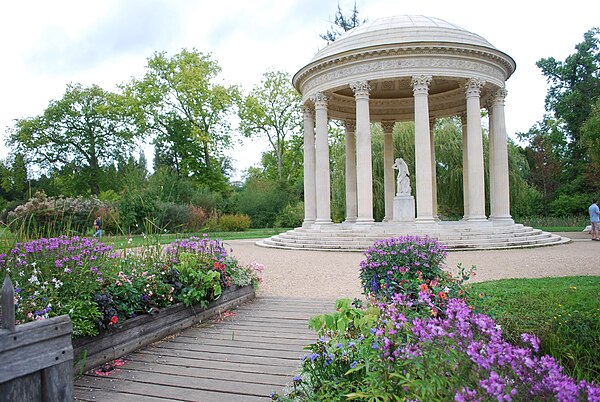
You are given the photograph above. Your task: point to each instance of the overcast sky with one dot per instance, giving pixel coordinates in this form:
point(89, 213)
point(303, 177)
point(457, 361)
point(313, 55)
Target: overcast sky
point(47, 44)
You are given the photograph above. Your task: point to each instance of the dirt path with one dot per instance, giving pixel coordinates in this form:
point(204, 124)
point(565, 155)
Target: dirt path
point(335, 274)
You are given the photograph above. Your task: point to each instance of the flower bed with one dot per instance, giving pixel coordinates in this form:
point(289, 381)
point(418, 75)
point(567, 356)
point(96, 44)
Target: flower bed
point(419, 339)
point(99, 288)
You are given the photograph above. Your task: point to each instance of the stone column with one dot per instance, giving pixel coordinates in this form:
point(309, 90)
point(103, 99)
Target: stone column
point(423, 174)
point(310, 206)
point(389, 182)
point(323, 190)
point(500, 198)
point(351, 203)
point(475, 149)
point(364, 167)
point(491, 153)
point(465, 163)
point(433, 170)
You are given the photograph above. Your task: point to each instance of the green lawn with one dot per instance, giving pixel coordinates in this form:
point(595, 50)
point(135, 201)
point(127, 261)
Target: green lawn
point(139, 240)
point(563, 312)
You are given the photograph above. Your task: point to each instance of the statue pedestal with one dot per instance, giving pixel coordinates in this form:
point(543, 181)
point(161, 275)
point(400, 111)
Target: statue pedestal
point(404, 208)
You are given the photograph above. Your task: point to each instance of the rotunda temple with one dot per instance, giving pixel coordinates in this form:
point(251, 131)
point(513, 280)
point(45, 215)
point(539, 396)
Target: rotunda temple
point(398, 69)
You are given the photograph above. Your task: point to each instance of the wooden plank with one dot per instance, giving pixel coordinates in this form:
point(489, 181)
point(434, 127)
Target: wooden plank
point(25, 388)
point(264, 329)
point(161, 359)
point(8, 304)
point(34, 357)
point(57, 382)
point(290, 363)
point(233, 350)
point(210, 373)
point(232, 333)
point(97, 395)
point(242, 344)
point(184, 393)
point(34, 332)
point(197, 383)
point(251, 338)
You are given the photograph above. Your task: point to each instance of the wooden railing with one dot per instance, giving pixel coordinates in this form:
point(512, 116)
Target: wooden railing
point(36, 358)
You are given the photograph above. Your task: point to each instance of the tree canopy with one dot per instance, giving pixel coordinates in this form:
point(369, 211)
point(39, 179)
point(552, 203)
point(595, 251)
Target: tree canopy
point(86, 129)
point(188, 112)
point(272, 110)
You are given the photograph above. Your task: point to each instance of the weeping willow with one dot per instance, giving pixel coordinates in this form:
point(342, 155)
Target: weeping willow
point(449, 169)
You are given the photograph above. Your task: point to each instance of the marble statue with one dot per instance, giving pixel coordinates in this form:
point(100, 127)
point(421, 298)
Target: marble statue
point(403, 180)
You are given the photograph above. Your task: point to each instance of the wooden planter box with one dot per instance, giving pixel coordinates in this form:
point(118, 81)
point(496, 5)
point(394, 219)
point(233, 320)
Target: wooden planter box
point(93, 351)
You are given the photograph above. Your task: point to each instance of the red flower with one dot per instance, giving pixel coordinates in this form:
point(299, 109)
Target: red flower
point(423, 287)
point(443, 295)
point(113, 320)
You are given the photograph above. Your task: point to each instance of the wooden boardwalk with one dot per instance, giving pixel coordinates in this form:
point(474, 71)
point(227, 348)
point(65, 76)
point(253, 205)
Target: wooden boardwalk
point(242, 356)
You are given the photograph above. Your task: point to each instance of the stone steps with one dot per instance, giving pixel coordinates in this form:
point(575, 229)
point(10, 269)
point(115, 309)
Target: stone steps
point(456, 236)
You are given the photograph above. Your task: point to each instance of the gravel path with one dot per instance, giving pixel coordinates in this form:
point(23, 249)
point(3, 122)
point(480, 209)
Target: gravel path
point(326, 274)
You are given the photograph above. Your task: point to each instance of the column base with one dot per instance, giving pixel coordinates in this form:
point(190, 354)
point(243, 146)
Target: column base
point(323, 221)
point(502, 220)
point(425, 220)
point(477, 218)
point(350, 219)
point(364, 221)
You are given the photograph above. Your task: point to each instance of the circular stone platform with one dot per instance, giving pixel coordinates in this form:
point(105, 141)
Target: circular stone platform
point(456, 236)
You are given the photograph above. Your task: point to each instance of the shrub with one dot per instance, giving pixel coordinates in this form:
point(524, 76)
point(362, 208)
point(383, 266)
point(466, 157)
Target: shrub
point(291, 216)
point(570, 204)
point(197, 218)
point(43, 216)
point(134, 209)
point(172, 217)
point(234, 222)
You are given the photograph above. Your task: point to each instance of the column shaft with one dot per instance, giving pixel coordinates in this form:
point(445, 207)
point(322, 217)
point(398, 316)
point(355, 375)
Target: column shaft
point(423, 172)
point(475, 150)
point(465, 164)
point(434, 199)
point(389, 184)
point(364, 167)
point(351, 203)
point(310, 207)
point(323, 195)
point(500, 202)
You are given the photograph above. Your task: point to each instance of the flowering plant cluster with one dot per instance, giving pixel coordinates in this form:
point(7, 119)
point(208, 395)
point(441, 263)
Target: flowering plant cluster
point(396, 348)
point(99, 288)
point(413, 267)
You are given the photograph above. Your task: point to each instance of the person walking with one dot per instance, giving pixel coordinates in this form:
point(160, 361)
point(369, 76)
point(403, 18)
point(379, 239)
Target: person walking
point(595, 219)
point(98, 227)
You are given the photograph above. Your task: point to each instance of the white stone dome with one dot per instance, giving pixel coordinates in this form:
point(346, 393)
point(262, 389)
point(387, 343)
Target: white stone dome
point(402, 29)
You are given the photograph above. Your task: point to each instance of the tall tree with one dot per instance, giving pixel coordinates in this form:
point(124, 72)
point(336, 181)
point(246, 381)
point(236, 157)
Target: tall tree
point(14, 177)
point(342, 23)
point(188, 110)
point(272, 109)
point(86, 129)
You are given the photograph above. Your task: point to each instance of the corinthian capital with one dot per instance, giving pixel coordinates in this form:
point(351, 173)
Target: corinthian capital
point(350, 125)
point(360, 88)
point(320, 100)
point(307, 112)
point(388, 126)
point(473, 87)
point(499, 96)
point(420, 84)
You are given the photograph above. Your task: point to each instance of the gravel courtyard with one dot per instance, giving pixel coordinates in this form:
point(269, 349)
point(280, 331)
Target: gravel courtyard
point(326, 274)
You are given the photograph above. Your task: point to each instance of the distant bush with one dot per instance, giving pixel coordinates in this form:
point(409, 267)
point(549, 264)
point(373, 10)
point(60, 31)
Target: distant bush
point(134, 209)
point(570, 204)
point(172, 217)
point(291, 216)
point(50, 216)
point(197, 218)
point(234, 222)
